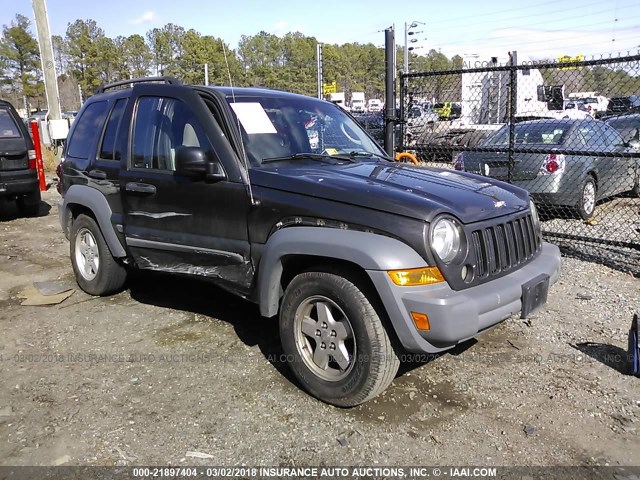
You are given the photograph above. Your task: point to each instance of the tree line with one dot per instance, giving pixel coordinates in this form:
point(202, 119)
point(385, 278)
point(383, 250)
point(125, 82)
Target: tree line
point(86, 58)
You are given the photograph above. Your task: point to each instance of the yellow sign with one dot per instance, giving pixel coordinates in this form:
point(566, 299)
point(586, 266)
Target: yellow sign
point(328, 88)
point(568, 59)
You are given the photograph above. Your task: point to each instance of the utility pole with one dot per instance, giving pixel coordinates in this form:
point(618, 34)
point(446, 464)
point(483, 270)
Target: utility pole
point(390, 91)
point(46, 55)
point(319, 68)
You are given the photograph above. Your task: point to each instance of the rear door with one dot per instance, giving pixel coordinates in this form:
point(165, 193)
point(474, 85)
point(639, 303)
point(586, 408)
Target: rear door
point(612, 173)
point(173, 222)
point(15, 142)
point(618, 174)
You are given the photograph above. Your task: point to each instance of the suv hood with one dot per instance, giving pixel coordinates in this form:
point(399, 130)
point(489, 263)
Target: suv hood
point(416, 192)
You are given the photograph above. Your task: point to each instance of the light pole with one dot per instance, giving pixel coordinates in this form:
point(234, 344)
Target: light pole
point(407, 33)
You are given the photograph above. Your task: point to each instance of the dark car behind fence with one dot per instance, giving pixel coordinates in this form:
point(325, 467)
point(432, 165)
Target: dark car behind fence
point(581, 165)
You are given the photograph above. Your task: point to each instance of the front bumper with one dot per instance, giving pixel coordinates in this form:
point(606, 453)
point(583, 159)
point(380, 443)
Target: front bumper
point(456, 316)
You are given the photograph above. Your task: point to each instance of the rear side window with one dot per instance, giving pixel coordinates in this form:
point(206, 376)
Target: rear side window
point(8, 126)
point(87, 128)
point(108, 150)
point(549, 133)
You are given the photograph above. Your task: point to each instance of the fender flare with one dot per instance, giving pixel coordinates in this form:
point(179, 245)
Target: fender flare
point(368, 250)
point(96, 202)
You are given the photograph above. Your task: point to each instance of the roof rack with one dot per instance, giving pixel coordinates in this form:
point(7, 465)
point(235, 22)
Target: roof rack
point(169, 80)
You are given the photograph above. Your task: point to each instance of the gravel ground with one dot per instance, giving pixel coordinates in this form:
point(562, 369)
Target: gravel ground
point(172, 366)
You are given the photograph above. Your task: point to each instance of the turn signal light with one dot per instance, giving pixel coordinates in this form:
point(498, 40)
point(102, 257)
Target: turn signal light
point(416, 276)
point(421, 320)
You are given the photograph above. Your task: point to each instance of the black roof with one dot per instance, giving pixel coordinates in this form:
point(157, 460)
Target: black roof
point(117, 88)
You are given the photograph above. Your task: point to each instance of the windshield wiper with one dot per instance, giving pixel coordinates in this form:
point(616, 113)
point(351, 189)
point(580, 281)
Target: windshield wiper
point(308, 156)
point(359, 153)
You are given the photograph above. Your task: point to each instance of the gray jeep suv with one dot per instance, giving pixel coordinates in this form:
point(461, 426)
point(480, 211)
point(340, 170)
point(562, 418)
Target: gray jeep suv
point(286, 201)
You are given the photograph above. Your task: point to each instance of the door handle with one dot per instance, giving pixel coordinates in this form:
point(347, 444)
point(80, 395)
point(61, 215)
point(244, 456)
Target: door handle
point(97, 174)
point(143, 188)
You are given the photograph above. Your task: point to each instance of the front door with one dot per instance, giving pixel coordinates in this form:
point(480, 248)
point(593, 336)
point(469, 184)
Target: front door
point(173, 222)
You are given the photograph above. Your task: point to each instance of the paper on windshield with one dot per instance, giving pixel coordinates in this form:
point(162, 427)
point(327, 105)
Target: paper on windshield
point(253, 118)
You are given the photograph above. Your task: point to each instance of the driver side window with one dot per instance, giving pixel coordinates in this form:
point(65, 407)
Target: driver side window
point(161, 126)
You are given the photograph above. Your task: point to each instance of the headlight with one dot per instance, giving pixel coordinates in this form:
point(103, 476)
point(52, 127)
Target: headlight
point(534, 215)
point(445, 239)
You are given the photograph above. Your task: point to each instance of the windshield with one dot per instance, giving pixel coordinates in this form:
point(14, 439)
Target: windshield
point(544, 132)
point(287, 126)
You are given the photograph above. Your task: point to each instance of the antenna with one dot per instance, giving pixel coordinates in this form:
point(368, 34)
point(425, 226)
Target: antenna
point(245, 162)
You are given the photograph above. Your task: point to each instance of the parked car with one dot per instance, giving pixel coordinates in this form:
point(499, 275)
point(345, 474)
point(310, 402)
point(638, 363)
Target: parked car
point(38, 116)
point(373, 123)
point(69, 115)
point(627, 125)
point(596, 105)
point(573, 109)
point(556, 179)
point(618, 105)
point(18, 174)
point(448, 110)
point(419, 122)
point(360, 256)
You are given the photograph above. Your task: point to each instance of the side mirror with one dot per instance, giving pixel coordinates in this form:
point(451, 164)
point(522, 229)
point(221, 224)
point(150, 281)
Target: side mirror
point(193, 162)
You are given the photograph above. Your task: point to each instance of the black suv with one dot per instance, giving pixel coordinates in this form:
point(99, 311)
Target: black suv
point(286, 201)
point(18, 174)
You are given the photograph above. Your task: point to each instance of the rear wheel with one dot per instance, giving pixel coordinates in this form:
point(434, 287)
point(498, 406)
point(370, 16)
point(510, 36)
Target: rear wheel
point(97, 272)
point(334, 340)
point(29, 204)
point(587, 203)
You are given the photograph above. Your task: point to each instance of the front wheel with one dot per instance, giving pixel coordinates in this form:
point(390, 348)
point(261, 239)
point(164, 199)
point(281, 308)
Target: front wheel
point(587, 203)
point(97, 272)
point(334, 340)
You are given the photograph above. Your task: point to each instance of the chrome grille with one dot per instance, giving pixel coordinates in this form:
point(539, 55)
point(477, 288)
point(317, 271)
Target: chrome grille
point(502, 247)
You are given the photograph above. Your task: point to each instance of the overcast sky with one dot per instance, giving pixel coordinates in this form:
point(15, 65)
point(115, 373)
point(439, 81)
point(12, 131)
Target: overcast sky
point(547, 29)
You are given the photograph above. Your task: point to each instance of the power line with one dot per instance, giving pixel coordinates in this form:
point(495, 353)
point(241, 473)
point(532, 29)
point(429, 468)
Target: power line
point(539, 32)
point(524, 18)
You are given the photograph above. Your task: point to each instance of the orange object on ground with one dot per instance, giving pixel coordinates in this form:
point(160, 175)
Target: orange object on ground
point(412, 158)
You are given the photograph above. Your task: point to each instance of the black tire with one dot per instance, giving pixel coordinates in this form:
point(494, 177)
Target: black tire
point(96, 271)
point(29, 204)
point(362, 345)
point(588, 194)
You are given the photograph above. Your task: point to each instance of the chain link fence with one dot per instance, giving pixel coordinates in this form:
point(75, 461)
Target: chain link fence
point(566, 132)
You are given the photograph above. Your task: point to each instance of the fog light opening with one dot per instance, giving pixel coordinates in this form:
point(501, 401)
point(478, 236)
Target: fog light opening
point(467, 273)
point(421, 320)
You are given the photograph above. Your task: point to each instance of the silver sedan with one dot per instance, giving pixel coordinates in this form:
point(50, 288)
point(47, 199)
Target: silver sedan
point(553, 178)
